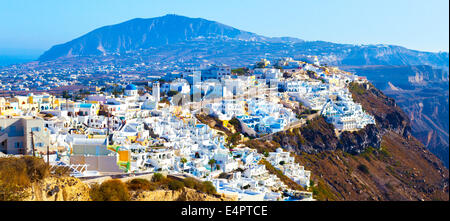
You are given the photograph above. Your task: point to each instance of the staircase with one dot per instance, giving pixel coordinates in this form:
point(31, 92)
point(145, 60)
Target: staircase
point(3, 136)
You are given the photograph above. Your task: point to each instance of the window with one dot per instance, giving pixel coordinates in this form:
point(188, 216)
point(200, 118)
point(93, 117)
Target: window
point(35, 129)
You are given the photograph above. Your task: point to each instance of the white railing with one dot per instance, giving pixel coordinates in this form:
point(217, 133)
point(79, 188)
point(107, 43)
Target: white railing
point(74, 169)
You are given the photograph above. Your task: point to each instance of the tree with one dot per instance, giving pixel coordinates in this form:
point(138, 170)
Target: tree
point(183, 161)
point(116, 91)
point(66, 95)
point(363, 168)
point(211, 163)
point(172, 93)
point(260, 65)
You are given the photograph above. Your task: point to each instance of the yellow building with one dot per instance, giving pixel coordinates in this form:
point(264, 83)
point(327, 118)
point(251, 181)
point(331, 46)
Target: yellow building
point(8, 108)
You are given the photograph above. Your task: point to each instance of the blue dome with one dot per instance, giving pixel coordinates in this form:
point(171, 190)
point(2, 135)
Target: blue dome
point(131, 87)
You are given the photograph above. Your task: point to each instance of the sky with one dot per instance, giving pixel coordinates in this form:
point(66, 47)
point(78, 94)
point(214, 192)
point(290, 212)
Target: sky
point(31, 25)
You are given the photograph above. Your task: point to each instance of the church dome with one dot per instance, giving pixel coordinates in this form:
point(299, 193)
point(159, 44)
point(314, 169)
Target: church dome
point(131, 87)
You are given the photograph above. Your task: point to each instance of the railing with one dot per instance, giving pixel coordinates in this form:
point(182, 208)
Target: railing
point(73, 168)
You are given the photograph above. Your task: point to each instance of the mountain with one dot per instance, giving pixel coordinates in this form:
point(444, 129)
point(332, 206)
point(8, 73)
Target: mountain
point(172, 34)
point(137, 34)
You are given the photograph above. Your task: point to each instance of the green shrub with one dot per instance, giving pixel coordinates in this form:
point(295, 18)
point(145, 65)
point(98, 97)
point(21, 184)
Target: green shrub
point(175, 185)
point(110, 190)
point(363, 168)
point(153, 186)
point(139, 184)
point(208, 187)
point(157, 177)
point(172, 93)
point(384, 153)
point(190, 182)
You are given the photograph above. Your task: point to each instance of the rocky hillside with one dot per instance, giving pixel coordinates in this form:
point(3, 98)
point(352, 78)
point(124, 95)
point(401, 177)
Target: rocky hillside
point(402, 169)
point(422, 92)
point(318, 135)
point(388, 116)
point(382, 162)
point(58, 189)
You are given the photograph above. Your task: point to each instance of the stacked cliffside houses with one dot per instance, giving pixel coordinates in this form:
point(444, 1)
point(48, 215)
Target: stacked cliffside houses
point(140, 132)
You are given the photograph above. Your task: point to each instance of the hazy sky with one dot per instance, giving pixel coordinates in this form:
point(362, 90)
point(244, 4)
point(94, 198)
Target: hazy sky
point(415, 24)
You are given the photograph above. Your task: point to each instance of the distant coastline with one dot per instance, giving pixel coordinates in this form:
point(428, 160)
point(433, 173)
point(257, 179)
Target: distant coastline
point(10, 56)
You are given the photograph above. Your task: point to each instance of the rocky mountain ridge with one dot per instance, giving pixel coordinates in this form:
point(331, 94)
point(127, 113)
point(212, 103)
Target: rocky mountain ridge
point(177, 37)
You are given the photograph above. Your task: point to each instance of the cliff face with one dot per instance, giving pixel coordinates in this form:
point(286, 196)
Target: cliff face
point(387, 114)
point(380, 162)
point(422, 92)
point(318, 135)
point(357, 142)
point(401, 170)
point(58, 189)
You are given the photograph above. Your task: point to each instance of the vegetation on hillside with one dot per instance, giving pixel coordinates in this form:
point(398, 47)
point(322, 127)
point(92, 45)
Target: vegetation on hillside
point(110, 190)
point(160, 181)
point(262, 146)
point(116, 190)
point(240, 71)
point(18, 173)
